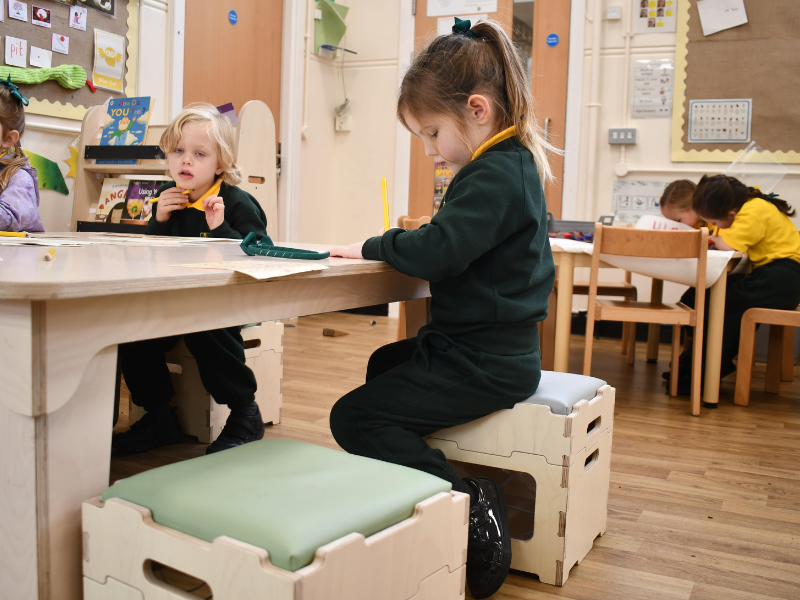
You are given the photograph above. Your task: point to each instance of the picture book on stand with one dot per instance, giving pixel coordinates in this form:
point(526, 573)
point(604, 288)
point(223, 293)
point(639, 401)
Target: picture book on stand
point(126, 125)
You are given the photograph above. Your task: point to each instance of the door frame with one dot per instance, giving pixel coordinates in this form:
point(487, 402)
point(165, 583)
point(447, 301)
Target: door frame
point(572, 135)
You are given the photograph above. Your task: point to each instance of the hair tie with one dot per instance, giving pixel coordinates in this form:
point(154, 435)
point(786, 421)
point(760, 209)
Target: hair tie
point(772, 196)
point(464, 27)
point(15, 93)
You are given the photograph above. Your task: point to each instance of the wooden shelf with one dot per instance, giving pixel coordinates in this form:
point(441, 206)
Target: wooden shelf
point(151, 169)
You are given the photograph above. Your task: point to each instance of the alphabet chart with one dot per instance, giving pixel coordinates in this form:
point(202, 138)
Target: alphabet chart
point(720, 121)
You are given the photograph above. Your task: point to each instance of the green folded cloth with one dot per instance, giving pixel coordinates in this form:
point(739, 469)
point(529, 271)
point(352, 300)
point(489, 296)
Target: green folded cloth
point(71, 77)
point(267, 248)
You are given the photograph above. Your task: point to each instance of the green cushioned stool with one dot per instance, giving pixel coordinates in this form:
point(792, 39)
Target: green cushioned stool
point(304, 521)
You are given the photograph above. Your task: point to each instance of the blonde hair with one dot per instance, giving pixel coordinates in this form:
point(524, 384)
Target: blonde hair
point(12, 117)
point(219, 129)
point(454, 67)
point(678, 195)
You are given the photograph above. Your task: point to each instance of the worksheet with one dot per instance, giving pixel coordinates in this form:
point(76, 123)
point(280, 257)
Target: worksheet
point(260, 269)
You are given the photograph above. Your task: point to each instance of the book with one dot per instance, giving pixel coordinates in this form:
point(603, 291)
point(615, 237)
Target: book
point(126, 125)
point(137, 202)
point(112, 197)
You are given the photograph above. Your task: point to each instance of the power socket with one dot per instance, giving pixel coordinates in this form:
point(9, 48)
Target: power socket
point(343, 123)
point(613, 13)
point(622, 135)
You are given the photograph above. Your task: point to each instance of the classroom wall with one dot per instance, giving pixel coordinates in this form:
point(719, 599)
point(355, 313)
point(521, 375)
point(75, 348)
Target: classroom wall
point(340, 193)
point(650, 158)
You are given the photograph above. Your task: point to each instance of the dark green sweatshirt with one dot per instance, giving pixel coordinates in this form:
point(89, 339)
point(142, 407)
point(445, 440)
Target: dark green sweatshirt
point(243, 214)
point(486, 253)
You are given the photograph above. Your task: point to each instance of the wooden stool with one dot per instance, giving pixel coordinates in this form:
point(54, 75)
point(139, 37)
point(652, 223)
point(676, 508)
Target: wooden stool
point(198, 413)
point(561, 439)
point(284, 520)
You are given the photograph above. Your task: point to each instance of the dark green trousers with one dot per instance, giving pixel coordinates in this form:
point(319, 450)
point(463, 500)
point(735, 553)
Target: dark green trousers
point(220, 359)
point(420, 385)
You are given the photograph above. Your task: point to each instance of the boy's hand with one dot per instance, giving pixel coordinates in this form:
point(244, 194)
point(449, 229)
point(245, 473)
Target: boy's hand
point(351, 251)
point(215, 211)
point(170, 200)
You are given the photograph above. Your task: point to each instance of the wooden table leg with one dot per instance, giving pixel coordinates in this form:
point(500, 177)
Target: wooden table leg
point(654, 329)
point(416, 316)
point(566, 276)
point(787, 355)
point(772, 380)
point(715, 315)
point(548, 337)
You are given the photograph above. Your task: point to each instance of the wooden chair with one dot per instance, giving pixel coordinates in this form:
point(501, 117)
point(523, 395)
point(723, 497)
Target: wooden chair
point(780, 353)
point(413, 313)
point(651, 244)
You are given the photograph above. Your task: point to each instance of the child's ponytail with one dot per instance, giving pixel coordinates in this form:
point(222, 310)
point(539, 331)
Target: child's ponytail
point(717, 195)
point(12, 117)
point(11, 163)
point(482, 60)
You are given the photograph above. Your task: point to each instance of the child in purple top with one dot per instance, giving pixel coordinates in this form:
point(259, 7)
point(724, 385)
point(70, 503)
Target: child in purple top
point(19, 184)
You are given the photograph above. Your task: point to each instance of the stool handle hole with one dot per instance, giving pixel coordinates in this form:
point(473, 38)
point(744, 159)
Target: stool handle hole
point(593, 427)
point(248, 344)
point(591, 460)
point(181, 584)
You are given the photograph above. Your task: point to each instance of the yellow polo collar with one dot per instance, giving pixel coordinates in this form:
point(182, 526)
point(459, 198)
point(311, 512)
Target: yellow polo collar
point(198, 204)
point(503, 135)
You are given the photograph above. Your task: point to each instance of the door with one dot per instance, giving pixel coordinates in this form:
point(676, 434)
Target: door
point(233, 62)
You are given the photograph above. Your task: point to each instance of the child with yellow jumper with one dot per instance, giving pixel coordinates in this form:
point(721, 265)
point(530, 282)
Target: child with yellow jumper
point(203, 201)
point(487, 257)
point(757, 224)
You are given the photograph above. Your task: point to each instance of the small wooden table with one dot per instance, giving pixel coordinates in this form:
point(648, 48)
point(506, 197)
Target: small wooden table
point(60, 324)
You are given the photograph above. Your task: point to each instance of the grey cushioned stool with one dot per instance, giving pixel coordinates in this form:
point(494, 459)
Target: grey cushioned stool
point(552, 452)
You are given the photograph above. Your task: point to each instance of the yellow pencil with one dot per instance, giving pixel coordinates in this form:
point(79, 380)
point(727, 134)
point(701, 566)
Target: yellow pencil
point(13, 233)
point(51, 254)
point(386, 225)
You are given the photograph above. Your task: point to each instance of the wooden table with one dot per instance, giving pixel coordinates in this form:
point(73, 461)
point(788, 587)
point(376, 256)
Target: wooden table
point(60, 323)
point(715, 315)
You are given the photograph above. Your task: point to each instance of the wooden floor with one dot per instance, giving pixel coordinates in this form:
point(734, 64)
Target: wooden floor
point(700, 508)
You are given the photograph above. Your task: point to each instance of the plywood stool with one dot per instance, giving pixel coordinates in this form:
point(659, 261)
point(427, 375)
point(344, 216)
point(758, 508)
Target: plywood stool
point(300, 522)
point(554, 452)
point(199, 414)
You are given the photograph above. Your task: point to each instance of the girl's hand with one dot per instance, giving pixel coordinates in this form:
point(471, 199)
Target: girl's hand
point(169, 201)
point(215, 211)
point(351, 251)
point(719, 244)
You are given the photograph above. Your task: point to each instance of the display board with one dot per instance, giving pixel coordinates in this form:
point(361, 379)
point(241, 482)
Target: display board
point(50, 98)
point(751, 71)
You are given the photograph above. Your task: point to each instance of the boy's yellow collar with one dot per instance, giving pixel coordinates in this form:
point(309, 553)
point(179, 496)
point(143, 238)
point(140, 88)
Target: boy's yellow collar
point(503, 135)
point(198, 204)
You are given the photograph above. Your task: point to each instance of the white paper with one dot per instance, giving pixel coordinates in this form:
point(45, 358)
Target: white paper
point(16, 52)
point(18, 10)
point(444, 8)
point(655, 16)
point(652, 88)
point(444, 25)
point(634, 199)
point(2, 10)
point(60, 43)
point(77, 17)
point(261, 269)
point(659, 223)
point(41, 16)
point(718, 15)
point(720, 121)
point(41, 58)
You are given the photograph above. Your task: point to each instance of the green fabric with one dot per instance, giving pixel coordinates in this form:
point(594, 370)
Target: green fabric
point(287, 497)
point(266, 247)
point(243, 214)
point(72, 77)
point(486, 253)
point(330, 29)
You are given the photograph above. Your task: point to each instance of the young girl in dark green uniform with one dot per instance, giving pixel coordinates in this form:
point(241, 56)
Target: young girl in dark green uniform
point(487, 257)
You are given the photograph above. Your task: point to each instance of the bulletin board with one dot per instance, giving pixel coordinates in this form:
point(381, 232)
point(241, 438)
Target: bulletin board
point(758, 61)
point(49, 98)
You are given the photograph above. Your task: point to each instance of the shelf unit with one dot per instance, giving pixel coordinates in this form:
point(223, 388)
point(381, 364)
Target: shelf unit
point(254, 139)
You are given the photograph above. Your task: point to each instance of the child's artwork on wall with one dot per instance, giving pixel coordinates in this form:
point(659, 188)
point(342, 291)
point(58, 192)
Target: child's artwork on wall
point(16, 52)
point(109, 63)
point(18, 10)
point(41, 16)
point(655, 16)
point(104, 6)
point(60, 44)
point(41, 58)
point(78, 17)
point(126, 125)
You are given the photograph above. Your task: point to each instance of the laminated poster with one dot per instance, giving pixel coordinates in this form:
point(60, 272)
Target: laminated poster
point(652, 88)
point(109, 60)
point(446, 8)
point(655, 16)
point(633, 200)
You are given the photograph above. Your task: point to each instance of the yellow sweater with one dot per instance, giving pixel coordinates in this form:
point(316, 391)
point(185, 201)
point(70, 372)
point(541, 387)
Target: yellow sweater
point(764, 232)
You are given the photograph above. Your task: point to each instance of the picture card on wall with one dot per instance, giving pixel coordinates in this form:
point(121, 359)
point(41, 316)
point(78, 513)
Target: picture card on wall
point(41, 16)
point(109, 60)
point(41, 58)
point(16, 52)
point(77, 17)
point(60, 43)
point(104, 6)
point(2, 10)
point(18, 10)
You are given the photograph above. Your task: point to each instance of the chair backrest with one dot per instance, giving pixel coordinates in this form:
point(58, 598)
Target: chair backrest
point(407, 222)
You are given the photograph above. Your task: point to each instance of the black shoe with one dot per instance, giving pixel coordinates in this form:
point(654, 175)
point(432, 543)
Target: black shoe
point(155, 429)
point(489, 546)
point(684, 366)
point(244, 425)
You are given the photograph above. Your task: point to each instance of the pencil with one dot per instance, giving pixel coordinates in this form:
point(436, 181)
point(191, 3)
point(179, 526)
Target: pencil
point(386, 225)
point(51, 254)
point(13, 233)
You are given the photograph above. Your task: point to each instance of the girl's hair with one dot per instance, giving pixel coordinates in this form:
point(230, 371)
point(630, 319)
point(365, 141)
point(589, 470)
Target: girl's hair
point(717, 195)
point(678, 195)
point(12, 117)
point(219, 130)
point(454, 67)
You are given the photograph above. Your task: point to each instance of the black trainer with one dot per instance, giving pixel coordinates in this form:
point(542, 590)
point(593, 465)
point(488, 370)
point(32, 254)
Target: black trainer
point(155, 429)
point(489, 545)
point(244, 425)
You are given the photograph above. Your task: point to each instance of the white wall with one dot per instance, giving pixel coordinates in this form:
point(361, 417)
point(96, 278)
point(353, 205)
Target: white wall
point(340, 192)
